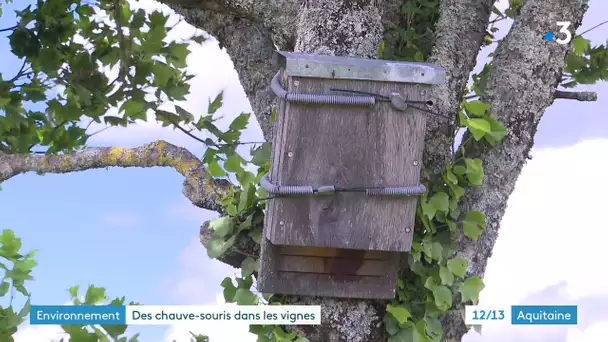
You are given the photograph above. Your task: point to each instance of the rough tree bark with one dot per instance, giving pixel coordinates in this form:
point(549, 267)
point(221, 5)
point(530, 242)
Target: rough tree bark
point(520, 86)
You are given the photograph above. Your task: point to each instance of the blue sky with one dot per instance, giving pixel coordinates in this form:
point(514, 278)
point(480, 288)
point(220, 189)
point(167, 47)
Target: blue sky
point(133, 232)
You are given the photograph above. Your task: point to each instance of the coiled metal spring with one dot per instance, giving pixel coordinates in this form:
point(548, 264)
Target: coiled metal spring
point(346, 100)
point(286, 190)
point(413, 190)
point(294, 190)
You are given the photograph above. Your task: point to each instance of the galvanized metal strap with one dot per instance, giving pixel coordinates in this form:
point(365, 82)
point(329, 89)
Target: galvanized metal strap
point(396, 100)
point(295, 190)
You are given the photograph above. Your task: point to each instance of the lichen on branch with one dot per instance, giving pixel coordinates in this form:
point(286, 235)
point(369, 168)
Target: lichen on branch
point(199, 187)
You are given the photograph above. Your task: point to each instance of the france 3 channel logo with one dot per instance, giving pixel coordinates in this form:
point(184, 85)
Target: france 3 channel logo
point(563, 36)
point(521, 315)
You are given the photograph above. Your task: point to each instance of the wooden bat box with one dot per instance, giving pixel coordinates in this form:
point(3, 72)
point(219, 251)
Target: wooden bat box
point(345, 174)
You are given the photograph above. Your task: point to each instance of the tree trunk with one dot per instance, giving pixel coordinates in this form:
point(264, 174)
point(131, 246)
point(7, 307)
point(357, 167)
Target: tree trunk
point(523, 77)
point(524, 73)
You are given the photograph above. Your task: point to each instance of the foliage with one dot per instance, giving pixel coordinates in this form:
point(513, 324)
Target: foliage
point(69, 48)
point(17, 267)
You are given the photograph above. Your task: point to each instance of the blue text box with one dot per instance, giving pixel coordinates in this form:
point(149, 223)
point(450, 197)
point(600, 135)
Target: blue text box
point(77, 314)
point(544, 314)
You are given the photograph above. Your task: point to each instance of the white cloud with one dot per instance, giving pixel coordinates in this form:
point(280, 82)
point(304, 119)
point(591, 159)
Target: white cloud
point(197, 278)
point(198, 283)
point(121, 220)
point(185, 210)
point(552, 242)
point(39, 333)
point(217, 331)
point(596, 333)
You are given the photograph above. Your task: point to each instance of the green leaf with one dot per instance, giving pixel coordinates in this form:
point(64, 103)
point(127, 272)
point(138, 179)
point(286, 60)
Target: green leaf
point(433, 327)
point(459, 170)
point(458, 266)
point(178, 53)
point(273, 114)
point(261, 155)
point(215, 169)
point(302, 339)
point(283, 336)
point(391, 324)
point(474, 170)
point(476, 107)
point(443, 297)
point(10, 244)
point(433, 250)
point(4, 101)
point(247, 198)
point(218, 246)
point(581, 45)
point(447, 277)
point(419, 333)
point(162, 73)
point(473, 224)
point(478, 128)
point(222, 226)
point(95, 295)
point(470, 289)
point(216, 103)
point(74, 291)
point(439, 202)
point(405, 334)
point(497, 130)
point(381, 49)
point(26, 309)
point(233, 163)
point(249, 266)
point(134, 109)
point(450, 177)
point(185, 115)
point(256, 235)
point(480, 124)
point(245, 297)
point(229, 290)
point(4, 287)
point(240, 122)
point(399, 312)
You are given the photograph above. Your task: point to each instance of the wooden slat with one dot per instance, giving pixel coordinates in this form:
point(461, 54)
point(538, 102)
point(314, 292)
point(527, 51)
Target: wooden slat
point(336, 266)
point(271, 280)
point(346, 147)
point(333, 252)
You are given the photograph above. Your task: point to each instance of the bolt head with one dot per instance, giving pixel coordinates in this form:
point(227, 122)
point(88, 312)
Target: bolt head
point(407, 230)
point(296, 83)
point(290, 154)
point(282, 223)
point(415, 163)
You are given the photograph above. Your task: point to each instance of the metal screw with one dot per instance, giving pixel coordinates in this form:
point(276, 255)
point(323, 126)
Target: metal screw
point(415, 163)
point(407, 230)
point(282, 223)
point(290, 154)
point(296, 83)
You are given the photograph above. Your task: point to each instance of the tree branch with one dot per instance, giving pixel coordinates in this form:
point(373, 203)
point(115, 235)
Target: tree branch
point(243, 246)
point(199, 187)
point(251, 48)
point(274, 16)
point(520, 86)
point(461, 29)
point(575, 95)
